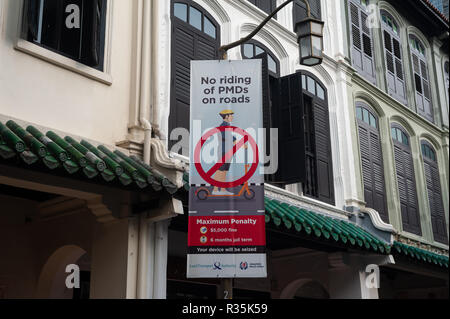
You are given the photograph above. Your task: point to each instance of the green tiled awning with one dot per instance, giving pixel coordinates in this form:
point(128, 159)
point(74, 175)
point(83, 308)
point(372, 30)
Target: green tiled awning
point(321, 226)
point(337, 230)
point(420, 254)
point(280, 214)
point(54, 152)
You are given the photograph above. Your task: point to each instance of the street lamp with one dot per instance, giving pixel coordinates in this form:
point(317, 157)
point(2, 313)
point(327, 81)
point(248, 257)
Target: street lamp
point(310, 40)
point(309, 37)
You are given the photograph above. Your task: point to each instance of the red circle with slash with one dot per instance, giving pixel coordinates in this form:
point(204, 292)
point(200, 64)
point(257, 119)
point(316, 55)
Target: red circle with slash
point(207, 176)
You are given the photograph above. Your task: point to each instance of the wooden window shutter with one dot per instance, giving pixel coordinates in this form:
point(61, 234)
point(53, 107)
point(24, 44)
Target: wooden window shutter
point(32, 19)
point(91, 49)
point(268, 6)
point(267, 112)
point(407, 188)
point(300, 13)
point(422, 85)
point(362, 43)
point(434, 191)
point(372, 167)
point(447, 77)
point(188, 43)
point(287, 114)
point(324, 164)
point(394, 66)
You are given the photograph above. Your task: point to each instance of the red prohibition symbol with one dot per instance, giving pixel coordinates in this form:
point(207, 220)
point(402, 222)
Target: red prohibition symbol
point(207, 176)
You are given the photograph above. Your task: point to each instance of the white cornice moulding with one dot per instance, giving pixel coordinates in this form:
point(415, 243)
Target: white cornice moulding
point(377, 222)
point(273, 25)
point(305, 202)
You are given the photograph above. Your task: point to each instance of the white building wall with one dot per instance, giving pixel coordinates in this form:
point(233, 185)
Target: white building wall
point(81, 100)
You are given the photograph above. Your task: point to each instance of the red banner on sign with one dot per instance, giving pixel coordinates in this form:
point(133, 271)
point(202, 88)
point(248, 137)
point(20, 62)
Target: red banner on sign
point(226, 231)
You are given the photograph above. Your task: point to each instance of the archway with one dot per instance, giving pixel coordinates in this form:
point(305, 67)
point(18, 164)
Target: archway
point(51, 284)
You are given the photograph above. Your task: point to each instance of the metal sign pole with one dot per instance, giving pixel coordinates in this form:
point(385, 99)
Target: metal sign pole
point(227, 288)
point(226, 284)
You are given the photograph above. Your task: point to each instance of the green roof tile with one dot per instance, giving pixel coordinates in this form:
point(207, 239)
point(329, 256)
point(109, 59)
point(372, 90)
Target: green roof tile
point(420, 254)
point(321, 226)
point(32, 146)
point(11, 139)
point(332, 229)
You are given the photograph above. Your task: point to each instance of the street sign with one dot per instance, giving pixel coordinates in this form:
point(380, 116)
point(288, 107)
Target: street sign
point(246, 138)
point(226, 236)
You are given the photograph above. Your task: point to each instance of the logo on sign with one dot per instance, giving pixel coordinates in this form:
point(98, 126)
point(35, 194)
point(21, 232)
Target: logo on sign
point(243, 265)
point(217, 266)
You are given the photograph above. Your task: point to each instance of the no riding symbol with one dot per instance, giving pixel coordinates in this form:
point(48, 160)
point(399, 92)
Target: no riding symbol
point(229, 145)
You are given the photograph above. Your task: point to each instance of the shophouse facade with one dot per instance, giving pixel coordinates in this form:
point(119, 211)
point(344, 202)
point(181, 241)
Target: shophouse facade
point(375, 195)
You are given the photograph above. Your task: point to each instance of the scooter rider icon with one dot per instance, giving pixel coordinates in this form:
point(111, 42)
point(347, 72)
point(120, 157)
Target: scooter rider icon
point(226, 143)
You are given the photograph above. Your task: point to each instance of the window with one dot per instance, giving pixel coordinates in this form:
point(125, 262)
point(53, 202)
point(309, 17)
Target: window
point(74, 29)
point(319, 182)
point(421, 79)
point(195, 36)
point(268, 6)
point(434, 193)
point(313, 87)
point(270, 73)
point(300, 13)
point(406, 180)
point(361, 41)
point(195, 18)
point(371, 160)
point(253, 49)
point(393, 55)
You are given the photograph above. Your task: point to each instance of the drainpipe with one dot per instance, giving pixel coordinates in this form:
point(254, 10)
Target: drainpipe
point(146, 229)
point(155, 69)
point(145, 111)
point(153, 237)
point(161, 228)
point(161, 252)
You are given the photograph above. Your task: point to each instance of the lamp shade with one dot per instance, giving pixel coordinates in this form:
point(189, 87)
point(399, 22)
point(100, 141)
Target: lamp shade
point(310, 40)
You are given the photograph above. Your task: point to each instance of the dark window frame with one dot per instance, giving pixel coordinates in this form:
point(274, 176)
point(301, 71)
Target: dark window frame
point(266, 50)
point(409, 207)
point(421, 78)
point(434, 192)
point(91, 52)
point(393, 58)
point(177, 97)
point(369, 183)
point(311, 188)
point(361, 41)
point(299, 12)
point(204, 13)
point(259, 5)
